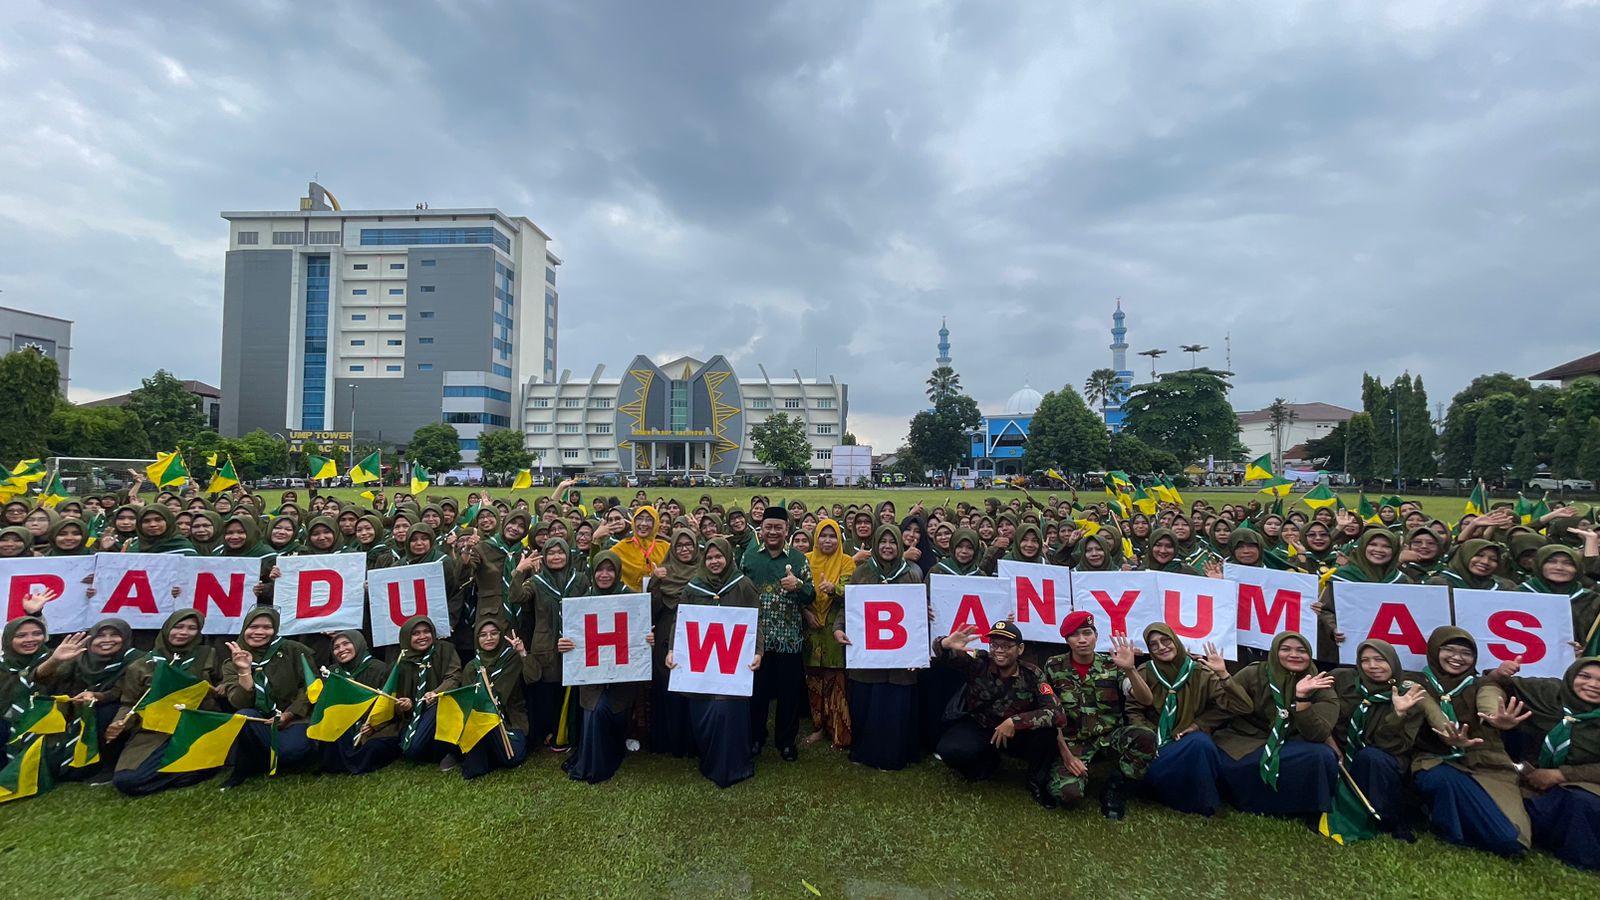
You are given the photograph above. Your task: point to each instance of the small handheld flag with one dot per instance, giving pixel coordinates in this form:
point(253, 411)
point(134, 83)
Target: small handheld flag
point(369, 469)
point(1260, 469)
point(167, 470)
point(322, 468)
point(420, 478)
point(524, 480)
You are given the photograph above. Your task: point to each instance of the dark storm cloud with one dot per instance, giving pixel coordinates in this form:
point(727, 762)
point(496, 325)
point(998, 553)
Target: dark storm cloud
point(1341, 187)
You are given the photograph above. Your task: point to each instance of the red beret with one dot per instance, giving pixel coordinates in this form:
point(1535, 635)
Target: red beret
point(1074, 621)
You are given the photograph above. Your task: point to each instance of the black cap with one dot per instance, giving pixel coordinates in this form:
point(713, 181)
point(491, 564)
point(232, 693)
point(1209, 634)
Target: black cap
point(775, 512)
point(1007, 629)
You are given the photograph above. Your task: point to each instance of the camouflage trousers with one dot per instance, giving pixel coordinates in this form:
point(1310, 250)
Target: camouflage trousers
point(1130, 747)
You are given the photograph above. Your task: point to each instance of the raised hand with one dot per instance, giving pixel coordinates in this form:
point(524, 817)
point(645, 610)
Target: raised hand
point(35, 601)
point(71, 647)
point(1508, 714)
point(1212, 659)
point(1122, 652)
point(240, 656)
point(1213, 568)
point(1507, 669)
point(1405, 702)
point(516, 644)
point(788, 582)
point(960, 638)
point(1305, 687)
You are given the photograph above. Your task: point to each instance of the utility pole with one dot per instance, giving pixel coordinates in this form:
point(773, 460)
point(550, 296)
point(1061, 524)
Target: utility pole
point(1397, 448)
point(352, 464)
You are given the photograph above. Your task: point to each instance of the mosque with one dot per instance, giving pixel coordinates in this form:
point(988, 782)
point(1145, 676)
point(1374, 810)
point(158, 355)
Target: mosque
point(998, 442)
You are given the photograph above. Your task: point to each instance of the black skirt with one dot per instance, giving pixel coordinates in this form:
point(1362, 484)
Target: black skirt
point(722, 735)
point(601, 743)
point(883, 724)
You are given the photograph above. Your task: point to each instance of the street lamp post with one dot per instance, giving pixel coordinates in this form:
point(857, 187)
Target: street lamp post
point(352, 427)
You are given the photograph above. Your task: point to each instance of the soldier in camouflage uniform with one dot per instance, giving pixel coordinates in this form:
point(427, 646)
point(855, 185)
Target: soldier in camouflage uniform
point(1089, 686)
point(1008, 706)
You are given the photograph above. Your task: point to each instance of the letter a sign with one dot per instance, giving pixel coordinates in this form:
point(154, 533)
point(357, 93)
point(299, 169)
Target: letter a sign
point(609, 635)
point(887, 625)
point(713, 649)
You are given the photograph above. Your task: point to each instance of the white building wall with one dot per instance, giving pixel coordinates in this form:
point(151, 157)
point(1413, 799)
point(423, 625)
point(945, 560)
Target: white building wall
point(1259, 440)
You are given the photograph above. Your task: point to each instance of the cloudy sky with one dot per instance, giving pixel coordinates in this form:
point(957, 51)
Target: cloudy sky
point(1338, 186)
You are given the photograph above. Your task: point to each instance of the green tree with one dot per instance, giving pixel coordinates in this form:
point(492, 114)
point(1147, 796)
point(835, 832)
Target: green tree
point(260, 455)
point(1565, 461)
point(436, 445)
point(1126, 453)
point(1185, 413)
point(1066, 434)
point(1358, 454)
point(944, 382)
point(847, 439)
point(1533, 438)
point(1417, 438)
point(781, 443)
point(1458, 444)
point(1589, 459)
point(108, 431)
point(501, 452)
point(1329, 448)
point(1378, 405)
point(1103, 388)
point(170, 414)
point(30, 382)
point(939, 437)
point(1493, 450)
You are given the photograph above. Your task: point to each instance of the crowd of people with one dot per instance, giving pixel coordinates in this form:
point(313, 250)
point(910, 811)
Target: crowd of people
point(1484, 756)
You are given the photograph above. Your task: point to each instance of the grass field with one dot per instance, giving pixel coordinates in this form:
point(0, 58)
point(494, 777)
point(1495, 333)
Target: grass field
point(660, 830)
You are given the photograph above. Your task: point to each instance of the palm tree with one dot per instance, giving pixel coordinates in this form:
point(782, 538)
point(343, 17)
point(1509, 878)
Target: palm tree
point(1103, 387)
point(1154, 355)
point(1192, 349)
point(943, 383)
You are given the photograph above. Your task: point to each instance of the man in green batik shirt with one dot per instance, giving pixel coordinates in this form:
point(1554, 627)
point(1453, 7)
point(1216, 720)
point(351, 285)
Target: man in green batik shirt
point(783, 579)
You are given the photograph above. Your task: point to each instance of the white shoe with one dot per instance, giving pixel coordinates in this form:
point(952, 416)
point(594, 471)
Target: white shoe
point(632, 745)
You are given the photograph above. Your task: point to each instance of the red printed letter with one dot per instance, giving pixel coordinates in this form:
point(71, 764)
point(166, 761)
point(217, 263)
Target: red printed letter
point(209, 592)
point(1283, 615)
point(714, 642)
point(885, 626)
point(1395, 625)
point(1174, 615)
point(24, 585)
point(970, 612)
point(133, 590)
point(1508, 624)
point(616, 638)
point(419, 601)
point(1030, 603)
point(305, 605)
point(1117, 610)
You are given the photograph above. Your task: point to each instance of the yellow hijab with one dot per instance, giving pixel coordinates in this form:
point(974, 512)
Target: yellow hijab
point(641, 553)
point(828, 568)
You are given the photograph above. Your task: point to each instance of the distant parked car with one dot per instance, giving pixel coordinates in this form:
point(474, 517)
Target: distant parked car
point(1546, 483)
point(1578, 484)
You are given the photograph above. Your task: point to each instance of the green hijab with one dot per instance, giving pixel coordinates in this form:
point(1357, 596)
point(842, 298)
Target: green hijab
point(169, 541)
point(1361, 570)
point(99, 673)
point(206, 548)
point(86, 548)
point(16, 669)
point(1459, 570)
point(358, 663)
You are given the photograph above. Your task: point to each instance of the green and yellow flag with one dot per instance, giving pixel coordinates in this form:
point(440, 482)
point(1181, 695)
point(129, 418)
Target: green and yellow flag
point(341, 703)
point(1172, 490)
point(201, 740)
point(1089, 527)
point(1348, 820)
point(28, 471)
point(1115, 502)
point(322, 468)
point(1477, 503)
point(43, 716)
point(167, 470)
point(382, 711)
point(1120, 480)
point(524, 480)
point(466, 714)
point(169, 688)
point(223, 478)
point(211, 459)
point(1143, 502)
point(54, 492)
point(1367, 511)
point(1053, 475)
point(420, 478)
point(85, 741)
point(1260, 469)
point(309, 680)
point(1320, 497)
point(369, 469)
point(27, 774)
point(1278, 487)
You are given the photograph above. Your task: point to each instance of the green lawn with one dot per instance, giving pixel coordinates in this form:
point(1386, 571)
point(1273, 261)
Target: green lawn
point(659, 829)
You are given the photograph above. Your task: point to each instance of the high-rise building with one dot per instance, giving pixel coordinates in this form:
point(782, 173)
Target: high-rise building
point(381, 321)
point(1119, 363)
point(944, 345)
point(51, 336)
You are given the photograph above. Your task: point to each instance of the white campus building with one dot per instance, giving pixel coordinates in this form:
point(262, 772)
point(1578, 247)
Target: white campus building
point(1309, 421)
point(684, 417)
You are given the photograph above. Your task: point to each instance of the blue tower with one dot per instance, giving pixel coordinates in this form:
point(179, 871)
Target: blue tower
point(1119, 363)
point(944, 345)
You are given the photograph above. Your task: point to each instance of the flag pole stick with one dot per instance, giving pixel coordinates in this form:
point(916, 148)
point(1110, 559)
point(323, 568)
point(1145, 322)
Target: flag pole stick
point(505, 738)
point(1350, 780)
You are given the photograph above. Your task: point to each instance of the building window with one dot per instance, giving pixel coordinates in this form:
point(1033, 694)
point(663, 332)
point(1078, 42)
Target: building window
point(425, 314)
point(502, 371)
point(426, 289)
point(391, 368)
point(824, 454)
point(314, 368)
point(358, 292)
point(600, 403)
point(391, 237)
point(359, 342)
point(397, 292)
point(428, 262)
point(540, 403)
point(358, 368)
point(477, 391)
point(424, 367)
point(358, 317)
point(249, 237)
point(288, 237)
point(824, 429)
point(761, 404)
point(469, 443)
point(477, 418)
point(569, 454)
point(395, 342)
point(397, 317)
point(600, 428)
point(678, 405)
point(540, 427)
point(571, 428)
point(825, 403)
point(549, 275)
point(571, 403)
point(792, 404)
point(360, 267)
point(397, 267)
point(601, 454)
point(324, 237)
point(424, 340)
